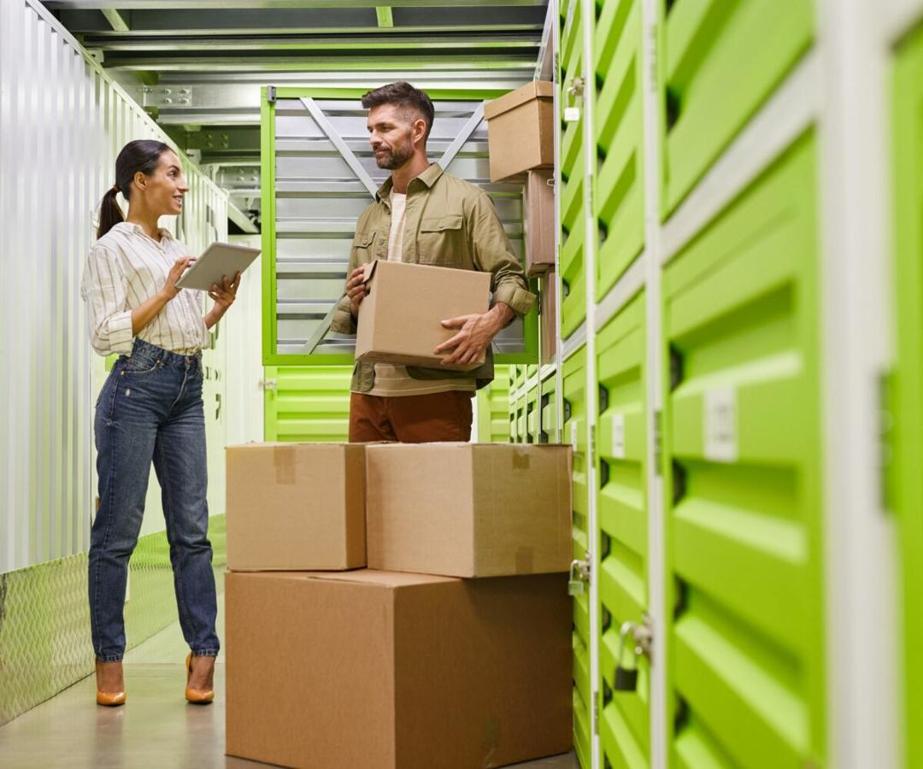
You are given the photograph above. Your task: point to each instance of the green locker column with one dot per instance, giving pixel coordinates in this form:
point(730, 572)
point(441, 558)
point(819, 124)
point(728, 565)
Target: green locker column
point(493, 408)
point(574, 404)
point(907, 490)
point(619, 127)
point(532, 411)
point(622, 512)
point(745, 672)
point(573, 193)
point(721, 61)
point(307, 403)
point(549, 409)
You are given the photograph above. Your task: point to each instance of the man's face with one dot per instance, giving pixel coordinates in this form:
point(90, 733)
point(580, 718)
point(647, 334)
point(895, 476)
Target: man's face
point(392, 131)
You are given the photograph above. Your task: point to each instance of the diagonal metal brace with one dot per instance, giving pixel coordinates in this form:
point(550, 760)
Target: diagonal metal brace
point(464, 135)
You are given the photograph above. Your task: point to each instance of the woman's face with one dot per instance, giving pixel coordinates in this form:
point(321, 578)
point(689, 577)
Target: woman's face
point(164, 189)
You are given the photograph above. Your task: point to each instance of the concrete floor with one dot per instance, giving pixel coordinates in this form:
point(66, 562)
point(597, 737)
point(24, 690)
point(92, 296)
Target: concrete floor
point(155, 730)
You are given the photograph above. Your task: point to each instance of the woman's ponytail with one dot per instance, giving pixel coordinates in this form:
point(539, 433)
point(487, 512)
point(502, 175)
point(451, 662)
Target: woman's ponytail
point(110, 214)
point(139, 156)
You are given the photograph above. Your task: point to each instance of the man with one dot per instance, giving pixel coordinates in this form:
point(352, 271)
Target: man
point(423, 215)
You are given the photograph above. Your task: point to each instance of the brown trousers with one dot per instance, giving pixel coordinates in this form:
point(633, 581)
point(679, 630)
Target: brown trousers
point(411, 418)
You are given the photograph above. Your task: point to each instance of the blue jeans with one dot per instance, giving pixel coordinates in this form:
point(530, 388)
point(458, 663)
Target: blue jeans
point(150, 409)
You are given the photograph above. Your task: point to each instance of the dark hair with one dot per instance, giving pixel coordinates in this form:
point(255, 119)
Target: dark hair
point(402, 94)
point(140, 155)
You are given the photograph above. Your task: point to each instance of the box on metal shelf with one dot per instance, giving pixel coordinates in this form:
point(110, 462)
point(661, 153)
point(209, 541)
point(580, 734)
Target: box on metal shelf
point(538, 199)
point(520, 130)
point(397, 671)
point(469, 510)
point(400, 320)
point(295, 506)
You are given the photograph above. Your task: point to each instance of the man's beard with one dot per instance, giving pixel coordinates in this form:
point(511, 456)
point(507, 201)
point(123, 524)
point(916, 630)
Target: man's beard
point(394, 158)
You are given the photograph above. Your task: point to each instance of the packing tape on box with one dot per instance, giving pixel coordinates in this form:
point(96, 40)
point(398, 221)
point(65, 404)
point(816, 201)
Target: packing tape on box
point(520, 459)
point(283, 462)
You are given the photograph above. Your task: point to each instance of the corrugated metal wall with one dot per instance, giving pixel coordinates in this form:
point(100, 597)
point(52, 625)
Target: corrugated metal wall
point(62, 122)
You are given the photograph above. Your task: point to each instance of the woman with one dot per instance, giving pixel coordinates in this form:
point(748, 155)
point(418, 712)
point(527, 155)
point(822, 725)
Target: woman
point(149, 410)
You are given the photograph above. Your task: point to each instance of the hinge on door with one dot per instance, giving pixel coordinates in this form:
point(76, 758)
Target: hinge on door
point(886, 439)
point(658, 443)
point(271, 94)
point(595, 712)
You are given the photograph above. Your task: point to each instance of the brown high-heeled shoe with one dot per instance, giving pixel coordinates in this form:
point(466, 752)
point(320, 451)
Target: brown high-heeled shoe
point(196, 696)
point(109, 699)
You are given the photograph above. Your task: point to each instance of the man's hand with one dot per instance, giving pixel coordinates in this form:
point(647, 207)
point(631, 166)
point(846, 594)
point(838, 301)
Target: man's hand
point(476, 332)
point(356, 289)
point(170, 288)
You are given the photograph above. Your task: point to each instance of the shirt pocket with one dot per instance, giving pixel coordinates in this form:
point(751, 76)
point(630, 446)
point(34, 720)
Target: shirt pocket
point(363, 247)
point(441, 241)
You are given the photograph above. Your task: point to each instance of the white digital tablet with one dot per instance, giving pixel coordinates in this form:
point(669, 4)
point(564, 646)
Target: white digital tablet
point(217, 261)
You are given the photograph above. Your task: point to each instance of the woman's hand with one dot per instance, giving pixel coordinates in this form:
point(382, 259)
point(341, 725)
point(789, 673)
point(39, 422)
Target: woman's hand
point(225, 292)
point(170, 288)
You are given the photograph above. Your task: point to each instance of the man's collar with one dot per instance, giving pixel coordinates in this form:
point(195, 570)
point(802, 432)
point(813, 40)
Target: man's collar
point(428, 177)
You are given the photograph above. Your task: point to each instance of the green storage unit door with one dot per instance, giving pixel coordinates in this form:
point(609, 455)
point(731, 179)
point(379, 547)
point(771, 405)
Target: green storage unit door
point(309, 403)
point(493, 408)
point(575, 433)
point(549, 408)
point(522, 420)
point(619, 126)
point(743, 499)
point(572, 197)
point(721, 61)
point(622, 513)
point(907, 489)
point(532, 409)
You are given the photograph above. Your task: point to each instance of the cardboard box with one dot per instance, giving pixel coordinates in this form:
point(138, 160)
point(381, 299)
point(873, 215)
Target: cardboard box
point(520, 130)
point(469, 510)
point(538, 206)
point(548, 317)
point(400, 321)
point(373, 670)
point(295, 506)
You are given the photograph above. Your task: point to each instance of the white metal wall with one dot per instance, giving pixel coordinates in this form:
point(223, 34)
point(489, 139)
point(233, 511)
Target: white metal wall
point(62, 122)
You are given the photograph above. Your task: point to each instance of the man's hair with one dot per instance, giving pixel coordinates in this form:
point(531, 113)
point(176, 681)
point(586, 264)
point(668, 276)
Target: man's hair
point(404, 95)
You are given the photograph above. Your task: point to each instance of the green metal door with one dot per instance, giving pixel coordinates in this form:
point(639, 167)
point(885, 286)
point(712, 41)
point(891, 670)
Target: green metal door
point(307, 403)
point(619, 129)
point(907, 489)
point(720, 61)
point(549, 411)
point(493, 409)
point(745, 673)
point(572, 197)
point(622, 514)
point(574, 405)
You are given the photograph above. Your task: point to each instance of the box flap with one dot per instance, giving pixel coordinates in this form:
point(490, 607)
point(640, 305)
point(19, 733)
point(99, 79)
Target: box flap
point(537, 89)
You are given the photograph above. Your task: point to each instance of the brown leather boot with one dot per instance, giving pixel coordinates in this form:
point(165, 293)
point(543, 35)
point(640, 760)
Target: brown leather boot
point(200, 681)
point(110, 683)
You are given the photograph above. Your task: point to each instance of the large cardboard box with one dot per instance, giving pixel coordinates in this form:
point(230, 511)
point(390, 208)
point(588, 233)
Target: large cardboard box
point(400, 320)
point(538, 199)
point(469, 510)
point(520, 130)
point(295, 506)
point(372, 670)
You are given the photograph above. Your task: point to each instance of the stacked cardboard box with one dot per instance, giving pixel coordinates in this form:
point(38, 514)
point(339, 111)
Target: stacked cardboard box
point(404, 665)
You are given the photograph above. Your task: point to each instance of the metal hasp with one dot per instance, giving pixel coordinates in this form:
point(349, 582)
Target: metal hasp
point(579, 576)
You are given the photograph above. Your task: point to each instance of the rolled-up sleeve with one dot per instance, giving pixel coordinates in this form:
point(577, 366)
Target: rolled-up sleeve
point(103, 288)
point(494, 254)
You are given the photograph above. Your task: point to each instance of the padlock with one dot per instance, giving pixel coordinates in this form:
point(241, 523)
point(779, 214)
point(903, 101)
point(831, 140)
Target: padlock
point(572, 114)
point(626, 679)
point(574, 92)
point(575, 585)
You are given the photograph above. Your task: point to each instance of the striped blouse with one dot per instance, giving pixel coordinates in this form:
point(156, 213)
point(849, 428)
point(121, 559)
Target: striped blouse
point(124, 269)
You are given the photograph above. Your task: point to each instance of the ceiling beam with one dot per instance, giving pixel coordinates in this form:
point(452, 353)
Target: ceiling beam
point(217, 44)
point(385, 16)
point(115, 20)
point(195, 32)
point(133, 5)
point(310, 63)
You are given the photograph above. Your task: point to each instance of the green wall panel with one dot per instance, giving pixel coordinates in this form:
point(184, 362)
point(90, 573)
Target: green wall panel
point(309, 403)
point(493, 409)
point(619, 129)
point(742, 456)
point(906, 491)
point(572, 196)
point(720, 61)
point(622, 515)
point(549, 408)
point(575, 421)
